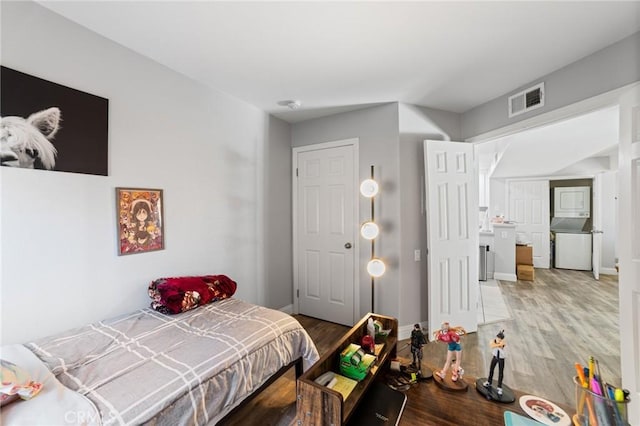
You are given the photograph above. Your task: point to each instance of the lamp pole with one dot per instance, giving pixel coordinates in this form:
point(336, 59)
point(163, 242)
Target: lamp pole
point(373, 249)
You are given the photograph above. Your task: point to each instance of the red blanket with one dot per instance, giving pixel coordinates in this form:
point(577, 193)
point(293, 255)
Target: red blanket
point(180, 294)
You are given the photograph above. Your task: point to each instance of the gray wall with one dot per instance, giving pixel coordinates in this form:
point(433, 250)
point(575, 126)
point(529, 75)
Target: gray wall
point(205, 149)
point(391, 138)
point(415, 125)
point(610, 68)
point(278, 232)
point(377, 131)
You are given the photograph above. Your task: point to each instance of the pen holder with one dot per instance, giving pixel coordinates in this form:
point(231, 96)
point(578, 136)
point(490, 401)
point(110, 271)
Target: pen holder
point(593, 409)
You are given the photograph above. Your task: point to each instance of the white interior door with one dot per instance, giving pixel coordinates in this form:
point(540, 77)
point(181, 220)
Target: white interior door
point(629, 247)
point(452, 234)
point(325, 231)
point(596, 231)
point(528, 202)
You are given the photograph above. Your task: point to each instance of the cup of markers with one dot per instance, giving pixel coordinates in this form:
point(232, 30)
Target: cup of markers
point(599, 404)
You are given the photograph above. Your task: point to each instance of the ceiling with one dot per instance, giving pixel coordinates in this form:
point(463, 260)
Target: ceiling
point(338, 56)
point(580, 146)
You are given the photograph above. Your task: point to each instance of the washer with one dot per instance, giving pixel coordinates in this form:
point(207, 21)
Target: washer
point(573, 251)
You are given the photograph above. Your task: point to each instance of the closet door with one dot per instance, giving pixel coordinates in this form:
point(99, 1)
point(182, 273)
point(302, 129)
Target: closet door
point(528, 202)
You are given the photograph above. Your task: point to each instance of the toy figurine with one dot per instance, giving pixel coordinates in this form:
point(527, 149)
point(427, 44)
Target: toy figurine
point(498, 352)
point(417, 341)
point(451, 336)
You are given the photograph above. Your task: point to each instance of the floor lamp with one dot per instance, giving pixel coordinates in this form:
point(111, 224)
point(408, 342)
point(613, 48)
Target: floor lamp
point(369, 230)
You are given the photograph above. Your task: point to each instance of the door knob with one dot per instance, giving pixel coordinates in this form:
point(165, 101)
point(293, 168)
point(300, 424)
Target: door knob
point(347, 245)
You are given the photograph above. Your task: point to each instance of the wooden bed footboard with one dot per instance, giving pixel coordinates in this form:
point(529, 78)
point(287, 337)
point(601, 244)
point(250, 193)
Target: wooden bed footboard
point(297, 363)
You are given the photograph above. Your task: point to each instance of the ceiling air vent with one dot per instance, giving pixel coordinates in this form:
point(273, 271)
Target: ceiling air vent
point(526, 100)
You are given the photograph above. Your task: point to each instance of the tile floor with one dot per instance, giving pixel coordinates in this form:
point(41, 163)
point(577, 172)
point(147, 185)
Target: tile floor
point(491, 307)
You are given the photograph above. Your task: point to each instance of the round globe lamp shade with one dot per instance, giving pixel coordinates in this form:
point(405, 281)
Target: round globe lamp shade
point(369, 188)
point(376, 268)
point(369, 230)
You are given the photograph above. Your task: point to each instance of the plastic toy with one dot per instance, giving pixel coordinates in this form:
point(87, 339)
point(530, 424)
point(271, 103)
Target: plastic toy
point(451, 336)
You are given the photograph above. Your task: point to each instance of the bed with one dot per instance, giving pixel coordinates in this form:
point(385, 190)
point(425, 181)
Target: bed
point(150, 368)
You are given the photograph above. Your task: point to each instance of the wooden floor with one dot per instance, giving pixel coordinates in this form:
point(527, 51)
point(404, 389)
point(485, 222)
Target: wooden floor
point(559, 319)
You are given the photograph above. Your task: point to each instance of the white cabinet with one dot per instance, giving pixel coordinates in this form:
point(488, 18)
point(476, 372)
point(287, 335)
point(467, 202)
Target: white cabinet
point(572, 201)
point(573, 251)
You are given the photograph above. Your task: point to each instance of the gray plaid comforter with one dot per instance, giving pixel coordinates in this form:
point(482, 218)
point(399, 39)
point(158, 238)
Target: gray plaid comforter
point(190, 368)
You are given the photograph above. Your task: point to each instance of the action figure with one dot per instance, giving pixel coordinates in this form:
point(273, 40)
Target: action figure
point(417, 341)
point(451, 336)
point(498, 352)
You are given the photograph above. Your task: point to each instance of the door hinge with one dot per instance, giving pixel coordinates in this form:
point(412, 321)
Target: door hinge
point(296, 172)
point(298, 293)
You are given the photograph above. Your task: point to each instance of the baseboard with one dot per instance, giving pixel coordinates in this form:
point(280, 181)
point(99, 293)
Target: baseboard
point(608, 271)
point(404, 331)
point(287, 309)
point(505, 277)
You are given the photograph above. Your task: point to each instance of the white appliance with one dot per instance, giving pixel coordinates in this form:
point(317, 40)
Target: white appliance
point(573, 251)
point(572, 201)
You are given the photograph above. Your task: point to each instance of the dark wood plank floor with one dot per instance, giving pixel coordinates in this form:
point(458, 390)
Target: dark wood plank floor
point(560, 318)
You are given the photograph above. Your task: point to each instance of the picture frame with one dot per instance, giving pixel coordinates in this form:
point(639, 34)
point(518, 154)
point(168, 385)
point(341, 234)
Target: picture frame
point(140, 220)
point(64, 129)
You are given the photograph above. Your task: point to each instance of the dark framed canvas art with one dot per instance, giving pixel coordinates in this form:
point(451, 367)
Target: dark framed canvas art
point(49, 126)
point(140, 221)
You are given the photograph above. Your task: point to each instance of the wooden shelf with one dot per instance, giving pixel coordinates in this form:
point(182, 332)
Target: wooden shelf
point(319, 405)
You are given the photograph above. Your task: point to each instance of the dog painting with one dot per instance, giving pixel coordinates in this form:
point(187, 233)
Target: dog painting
point(47, 126)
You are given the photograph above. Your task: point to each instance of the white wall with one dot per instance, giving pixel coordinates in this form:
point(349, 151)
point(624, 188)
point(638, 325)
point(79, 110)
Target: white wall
point(608, 69)
point(390, 137)
point(415, 125)
point(498, 197)
point(377, 131)
point(60, 267)
point(278, 244)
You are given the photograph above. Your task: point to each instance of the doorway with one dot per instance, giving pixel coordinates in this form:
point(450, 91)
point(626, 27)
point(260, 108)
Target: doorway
point(552, 163)
point(325, 243)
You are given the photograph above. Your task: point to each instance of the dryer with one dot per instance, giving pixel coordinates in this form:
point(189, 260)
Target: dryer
point(572, 244)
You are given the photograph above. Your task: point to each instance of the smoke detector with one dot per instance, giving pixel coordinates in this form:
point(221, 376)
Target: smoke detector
point(291, 104)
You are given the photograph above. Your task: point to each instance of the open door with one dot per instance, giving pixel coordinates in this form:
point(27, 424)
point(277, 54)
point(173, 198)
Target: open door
point(452, 234)
point(596, 230)
point(629, 247)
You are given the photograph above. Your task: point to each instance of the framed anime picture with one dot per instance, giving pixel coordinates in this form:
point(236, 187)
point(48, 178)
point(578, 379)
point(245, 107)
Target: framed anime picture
point(140, 222)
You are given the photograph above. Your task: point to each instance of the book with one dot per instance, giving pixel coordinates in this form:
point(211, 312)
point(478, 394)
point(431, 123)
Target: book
point(343, 384)
point(381, 405)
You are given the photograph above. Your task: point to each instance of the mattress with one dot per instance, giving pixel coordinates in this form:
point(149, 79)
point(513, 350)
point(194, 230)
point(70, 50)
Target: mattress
point(190, 368)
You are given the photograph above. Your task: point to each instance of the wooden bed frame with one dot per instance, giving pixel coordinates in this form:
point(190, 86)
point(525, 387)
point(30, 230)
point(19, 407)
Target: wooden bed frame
point(297, 363)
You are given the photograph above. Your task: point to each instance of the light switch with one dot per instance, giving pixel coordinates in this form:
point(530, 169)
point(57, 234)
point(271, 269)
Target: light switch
point(416, 255)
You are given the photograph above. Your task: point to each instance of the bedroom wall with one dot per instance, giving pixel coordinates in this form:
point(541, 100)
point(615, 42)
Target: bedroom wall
point(377, 131)
point(417, 124)
point(278, 242)
point(390, 137)
point(610, 68)
point(205, 149)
